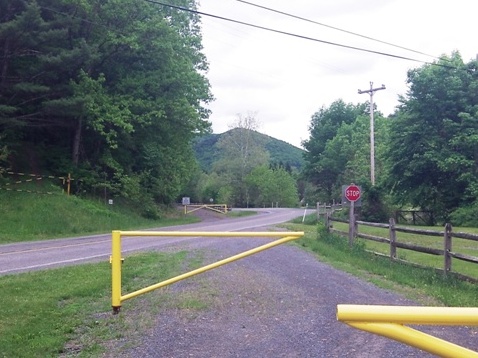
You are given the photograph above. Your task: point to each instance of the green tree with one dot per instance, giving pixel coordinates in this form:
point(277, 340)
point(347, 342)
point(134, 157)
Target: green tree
point(326, 160)
point(241, 153)
point(270, 187)
point(433, 139)
point(113, 90)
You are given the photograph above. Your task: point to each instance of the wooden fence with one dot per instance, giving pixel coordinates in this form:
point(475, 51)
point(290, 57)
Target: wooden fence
point(393, 243)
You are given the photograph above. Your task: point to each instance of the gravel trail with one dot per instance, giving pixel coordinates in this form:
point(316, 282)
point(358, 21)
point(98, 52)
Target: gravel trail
point(277, 303)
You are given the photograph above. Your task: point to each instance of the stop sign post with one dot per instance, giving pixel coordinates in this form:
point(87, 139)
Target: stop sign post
point(352, 193)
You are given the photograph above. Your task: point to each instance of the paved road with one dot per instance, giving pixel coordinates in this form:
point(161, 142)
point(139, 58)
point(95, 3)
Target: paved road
point(39, 255)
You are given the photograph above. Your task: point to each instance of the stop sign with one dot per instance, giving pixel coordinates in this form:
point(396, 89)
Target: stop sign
point(352, 193)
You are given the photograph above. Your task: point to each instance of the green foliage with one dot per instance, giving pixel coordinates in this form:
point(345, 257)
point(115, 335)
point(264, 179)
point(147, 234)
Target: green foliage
point(268, 186)
point(240, 172)
point(112, 90)
point(241, 153)
point(466, 216)
point(28, 217)
point(425, 153)
point(374, 208)
point(332, 145)
point(280, 152)
point(433, 138)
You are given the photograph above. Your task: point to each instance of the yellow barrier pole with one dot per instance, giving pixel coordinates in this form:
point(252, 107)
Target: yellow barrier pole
point(214, 265)
point(451, 316)
point(116, 270)
point(253, 234)
point(414, 338)
point(388, 321)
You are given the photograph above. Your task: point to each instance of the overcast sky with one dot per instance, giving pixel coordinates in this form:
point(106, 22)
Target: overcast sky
point(285, 80)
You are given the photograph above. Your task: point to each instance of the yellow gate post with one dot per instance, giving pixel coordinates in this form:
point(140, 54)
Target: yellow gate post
point(116, 270)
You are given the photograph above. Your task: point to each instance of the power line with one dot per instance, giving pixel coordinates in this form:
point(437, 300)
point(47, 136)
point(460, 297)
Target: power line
point(335, 28)
point(292, 34)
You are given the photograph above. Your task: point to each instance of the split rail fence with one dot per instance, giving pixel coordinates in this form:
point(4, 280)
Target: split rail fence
point(448, 235)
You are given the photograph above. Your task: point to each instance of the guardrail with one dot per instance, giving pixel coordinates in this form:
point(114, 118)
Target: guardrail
point(388, 321)
point(117, 297)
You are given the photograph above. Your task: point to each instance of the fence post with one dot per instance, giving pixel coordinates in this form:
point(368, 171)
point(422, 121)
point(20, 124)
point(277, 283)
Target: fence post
point(327, 221)
point(352, 226)
point(392, 235)
point(447, 248)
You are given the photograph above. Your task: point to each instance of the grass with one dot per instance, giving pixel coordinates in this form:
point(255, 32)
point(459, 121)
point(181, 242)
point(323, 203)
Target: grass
point(422, 284)
point(67, 311)
point(240, 213)
point(459, 245)
point(28, 217)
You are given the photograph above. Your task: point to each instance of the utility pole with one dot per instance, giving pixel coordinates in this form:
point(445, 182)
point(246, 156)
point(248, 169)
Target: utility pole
point(371, 91)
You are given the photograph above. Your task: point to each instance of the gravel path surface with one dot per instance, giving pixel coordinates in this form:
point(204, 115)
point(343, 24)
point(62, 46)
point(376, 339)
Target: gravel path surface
point(278, 303)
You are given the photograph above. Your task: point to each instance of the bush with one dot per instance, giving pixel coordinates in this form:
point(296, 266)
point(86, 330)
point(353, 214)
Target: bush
point(466, 216)
point(374, 208)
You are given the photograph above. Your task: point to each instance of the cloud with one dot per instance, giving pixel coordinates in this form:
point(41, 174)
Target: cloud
point(286, 79)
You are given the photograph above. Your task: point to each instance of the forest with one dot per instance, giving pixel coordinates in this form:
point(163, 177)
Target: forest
point(115, 93)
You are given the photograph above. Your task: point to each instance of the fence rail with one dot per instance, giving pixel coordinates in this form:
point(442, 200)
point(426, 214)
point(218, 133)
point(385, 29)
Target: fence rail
point(393, 243)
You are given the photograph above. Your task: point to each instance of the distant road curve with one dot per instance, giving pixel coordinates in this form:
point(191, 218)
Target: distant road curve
point(40, 255)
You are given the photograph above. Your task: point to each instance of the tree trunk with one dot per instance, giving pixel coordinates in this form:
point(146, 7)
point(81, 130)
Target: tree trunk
point(76, 142)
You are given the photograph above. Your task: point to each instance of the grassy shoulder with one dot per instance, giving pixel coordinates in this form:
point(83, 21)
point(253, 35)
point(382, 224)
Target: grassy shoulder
point(67, 311)
point(240, 213)
point(461, 246)
point(424, 285)
point(28, 217)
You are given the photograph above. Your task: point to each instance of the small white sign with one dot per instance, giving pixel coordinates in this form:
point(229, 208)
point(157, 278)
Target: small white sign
point(110, 201)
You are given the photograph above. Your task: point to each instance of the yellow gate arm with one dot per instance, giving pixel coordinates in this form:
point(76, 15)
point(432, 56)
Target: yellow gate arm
point(388, 321)
point(116, 295)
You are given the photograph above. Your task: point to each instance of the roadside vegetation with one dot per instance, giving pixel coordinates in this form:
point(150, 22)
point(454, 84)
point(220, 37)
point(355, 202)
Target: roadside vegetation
point(28, 217)
point(67, 312)
point(461, 246)
point(425, 285)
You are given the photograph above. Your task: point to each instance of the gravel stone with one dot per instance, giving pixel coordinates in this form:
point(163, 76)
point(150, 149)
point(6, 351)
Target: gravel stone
point(277, 303)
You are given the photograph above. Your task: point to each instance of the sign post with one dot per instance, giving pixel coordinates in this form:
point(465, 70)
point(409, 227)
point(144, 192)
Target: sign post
point(352, 194)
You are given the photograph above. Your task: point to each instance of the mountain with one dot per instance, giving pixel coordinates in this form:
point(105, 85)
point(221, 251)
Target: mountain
point(280, 152)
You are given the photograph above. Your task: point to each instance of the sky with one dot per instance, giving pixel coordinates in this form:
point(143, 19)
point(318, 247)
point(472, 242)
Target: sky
point(283, 80)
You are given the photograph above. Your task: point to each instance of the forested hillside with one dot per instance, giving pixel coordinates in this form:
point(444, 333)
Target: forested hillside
point(280, 152)
point(239, 169)
point(110, 91)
